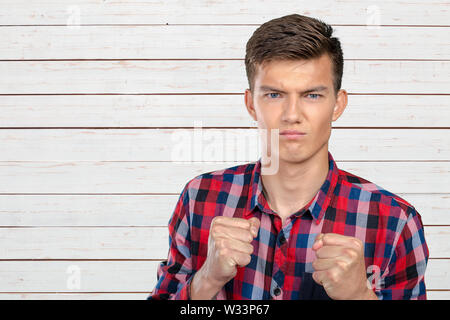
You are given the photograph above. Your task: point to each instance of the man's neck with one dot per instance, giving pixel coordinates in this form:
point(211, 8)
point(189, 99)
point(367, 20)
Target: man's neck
point(295, 184)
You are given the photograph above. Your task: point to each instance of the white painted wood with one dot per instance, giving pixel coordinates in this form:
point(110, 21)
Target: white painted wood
point(144, 210)
point(407, 177)
point(395, 111)
point(205, 42)
point(87, 210)
point(437, 275)
point(84, 243)
point(214, 145)
point(210, 110)
point(365, 12)
point(126, 242)
point(438, 295)
point(78, 276)
point(205, 76)
point(123, 276)
point(75, 296)
point(434, 208)
point(162, 177)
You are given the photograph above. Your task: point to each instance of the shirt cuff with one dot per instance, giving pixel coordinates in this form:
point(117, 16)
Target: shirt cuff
point(185, 291)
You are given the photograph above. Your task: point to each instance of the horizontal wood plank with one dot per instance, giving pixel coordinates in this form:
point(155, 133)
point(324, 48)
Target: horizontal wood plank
point(189, 42)
point(126, 242)
point(205, 76)
point(87, 177)
point(210, 110)
point(370, 13)
point(124, 276)
point(84, 243)
point(75, 296)
point(78, 276)
point(212, 145)
point(438, 295)
point(144, 210)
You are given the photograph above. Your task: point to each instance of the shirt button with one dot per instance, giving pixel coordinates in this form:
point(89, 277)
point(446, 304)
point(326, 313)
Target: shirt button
point(277, 291)
point(282, 240)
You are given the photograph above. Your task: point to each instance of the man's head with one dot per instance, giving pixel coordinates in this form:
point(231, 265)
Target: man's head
point(294, 68)
point(293, 37)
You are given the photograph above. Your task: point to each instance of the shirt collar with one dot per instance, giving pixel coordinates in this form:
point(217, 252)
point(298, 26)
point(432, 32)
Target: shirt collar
point(317, 206)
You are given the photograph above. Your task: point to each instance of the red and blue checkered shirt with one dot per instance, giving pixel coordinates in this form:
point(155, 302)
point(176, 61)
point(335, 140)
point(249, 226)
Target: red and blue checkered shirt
point(391, 229)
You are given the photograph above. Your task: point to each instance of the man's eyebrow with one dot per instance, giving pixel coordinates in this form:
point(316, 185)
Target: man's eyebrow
point(313, 89)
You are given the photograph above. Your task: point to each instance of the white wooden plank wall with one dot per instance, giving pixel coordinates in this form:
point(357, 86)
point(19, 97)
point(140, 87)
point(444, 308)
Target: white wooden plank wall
point(94, 96)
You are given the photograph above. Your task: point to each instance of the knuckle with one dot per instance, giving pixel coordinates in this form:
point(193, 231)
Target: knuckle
point(216, 220)
point(351, 253)
point(342, 265)
point(332, 276)
point(214, 223)
point(216, 229)
point(246, 223)
point(223, 252)
point(246, 258)
point(319, 253)
point(248, 236)
point(223, 243)
point(357, 243)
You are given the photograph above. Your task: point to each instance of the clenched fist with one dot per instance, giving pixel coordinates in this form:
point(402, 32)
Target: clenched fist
point(340, 268)
point(229, 246)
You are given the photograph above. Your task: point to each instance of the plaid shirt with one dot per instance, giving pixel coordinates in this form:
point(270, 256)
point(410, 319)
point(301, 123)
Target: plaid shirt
point(391, 229)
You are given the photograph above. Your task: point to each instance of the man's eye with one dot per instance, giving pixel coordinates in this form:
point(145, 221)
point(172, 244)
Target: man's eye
point(314, 96)
point(273, 95)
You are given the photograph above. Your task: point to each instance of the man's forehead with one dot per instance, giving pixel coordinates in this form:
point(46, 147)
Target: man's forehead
point(299, 73)
point(280, 88)
point(323, 59)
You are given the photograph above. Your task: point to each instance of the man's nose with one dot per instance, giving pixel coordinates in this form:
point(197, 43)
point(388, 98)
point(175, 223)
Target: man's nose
point(292, 109)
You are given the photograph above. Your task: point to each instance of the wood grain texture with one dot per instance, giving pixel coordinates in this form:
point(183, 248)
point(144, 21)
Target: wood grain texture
point(189, 42)
point(365, 12)
point(222, 110)
point(75, 296)
point(205, 76)
point(87, 177)
point(213, 144)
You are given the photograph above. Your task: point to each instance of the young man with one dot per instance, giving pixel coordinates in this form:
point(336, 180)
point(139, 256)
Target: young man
point(309, 231)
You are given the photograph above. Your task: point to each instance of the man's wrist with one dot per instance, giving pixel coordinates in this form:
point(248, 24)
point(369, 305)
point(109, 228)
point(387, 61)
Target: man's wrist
point(202, 287)
point(368, 295)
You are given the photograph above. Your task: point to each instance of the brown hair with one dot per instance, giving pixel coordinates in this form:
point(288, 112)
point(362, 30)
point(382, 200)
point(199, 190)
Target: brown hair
point(293, 37)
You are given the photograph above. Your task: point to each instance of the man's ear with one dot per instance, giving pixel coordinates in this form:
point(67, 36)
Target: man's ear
point(248, 97)
point(341, 104)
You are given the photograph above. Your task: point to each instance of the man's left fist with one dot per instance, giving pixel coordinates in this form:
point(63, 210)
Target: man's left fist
point(340, 267)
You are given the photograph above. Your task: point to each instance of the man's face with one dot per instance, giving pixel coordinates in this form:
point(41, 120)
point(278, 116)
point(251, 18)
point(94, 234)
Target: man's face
point(297, 95)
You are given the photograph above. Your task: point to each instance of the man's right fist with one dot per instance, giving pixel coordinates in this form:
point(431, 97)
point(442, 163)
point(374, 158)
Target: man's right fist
point(229, 246)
